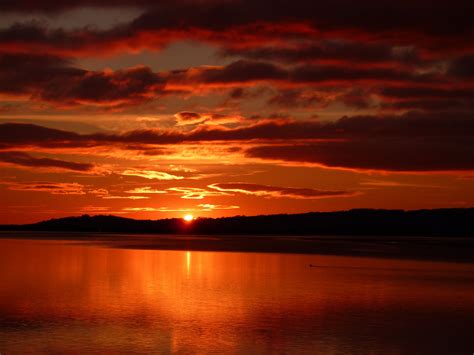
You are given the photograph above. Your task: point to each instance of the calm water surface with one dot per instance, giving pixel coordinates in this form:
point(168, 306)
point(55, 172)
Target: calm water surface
point(69, 297)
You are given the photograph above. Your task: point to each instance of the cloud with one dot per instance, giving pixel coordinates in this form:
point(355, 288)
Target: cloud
point(191, 118)
point(186, 118)
point(112, 197)
point(54, 79)
point(142, 209)
point(462, 67)
point(292, 98)
point(99, 192)
point(426, 92)
point(241, 71)
point(145, 190)
point(18, 134)
point(204, 207)
point(385, 183)
point(55, 188)
point(194, 193)
point(250, 72)
point(211, 207)
point(433, 99)
point(430, 105)
point(188, 193)
point(66, 189)
point(26, 135)
point(386, 154)
point(329, 51)
point(128, 86)
point(24, 159)
point(221, 22)
point(57, 81)
point(409, 125)
point(151, 174)
point(277, 192)
point(408, 142)
point(182, 168)
point(50, 6)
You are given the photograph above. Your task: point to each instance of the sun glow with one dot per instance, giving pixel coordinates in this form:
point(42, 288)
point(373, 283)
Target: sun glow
point(188, 217)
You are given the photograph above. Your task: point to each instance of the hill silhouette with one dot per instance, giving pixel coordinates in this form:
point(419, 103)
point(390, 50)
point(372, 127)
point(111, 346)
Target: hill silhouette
point(436, 222)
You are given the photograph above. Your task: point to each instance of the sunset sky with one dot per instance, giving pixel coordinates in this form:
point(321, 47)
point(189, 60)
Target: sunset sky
point(153, 109)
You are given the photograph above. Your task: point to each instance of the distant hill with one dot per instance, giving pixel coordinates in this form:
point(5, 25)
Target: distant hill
point(437, 222)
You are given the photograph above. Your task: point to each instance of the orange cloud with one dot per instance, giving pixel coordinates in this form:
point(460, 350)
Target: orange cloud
point(151, 174)
point(206, 207)
point(111, 197)
point(252, 24)
point(194, 193)
point(142, 209)
point(145, 190)
point(55, 188)
point(211, 207)
point(187, 118)
point(407, 142)
point(100, 192)
point(180, 168)
point(278, 192)
point(26, 160)
point(190, 118)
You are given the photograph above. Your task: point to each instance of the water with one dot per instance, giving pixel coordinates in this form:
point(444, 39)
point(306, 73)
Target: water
point(63, 296)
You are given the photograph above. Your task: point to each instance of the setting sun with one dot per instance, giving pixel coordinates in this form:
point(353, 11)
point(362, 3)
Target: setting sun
point(188, 217)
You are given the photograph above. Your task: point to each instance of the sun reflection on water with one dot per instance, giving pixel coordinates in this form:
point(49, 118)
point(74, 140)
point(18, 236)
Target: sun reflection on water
point(74, 298)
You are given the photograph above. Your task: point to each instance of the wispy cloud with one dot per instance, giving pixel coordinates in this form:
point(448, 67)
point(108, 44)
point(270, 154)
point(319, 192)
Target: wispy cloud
point(55, 188)
point(181, 168)
point(112, 197)
point(151, 174)
point(278, 192)
point(99, 192)
point(211, 207)
point(27, 160)
point(408, 142)
point(194, 193)
point(386, 183)
point(205, 207)
point(145, 190)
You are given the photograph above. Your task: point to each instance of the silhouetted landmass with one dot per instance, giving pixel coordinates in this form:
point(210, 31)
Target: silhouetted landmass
point(361, 222)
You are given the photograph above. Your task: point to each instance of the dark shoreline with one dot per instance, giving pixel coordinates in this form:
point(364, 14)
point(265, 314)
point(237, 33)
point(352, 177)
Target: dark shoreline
point(447, 222)
point(454, 249)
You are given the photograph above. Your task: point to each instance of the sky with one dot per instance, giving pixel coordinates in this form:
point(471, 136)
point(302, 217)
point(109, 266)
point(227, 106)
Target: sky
point(156, 109)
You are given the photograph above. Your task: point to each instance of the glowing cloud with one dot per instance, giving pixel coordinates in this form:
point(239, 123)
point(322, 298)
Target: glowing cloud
point(211, 207)
point(151, 174)
point(125, 197)
point(50, 187)
point(194, 193)
point(275, 191)
point(145, 190)
point(199, 208)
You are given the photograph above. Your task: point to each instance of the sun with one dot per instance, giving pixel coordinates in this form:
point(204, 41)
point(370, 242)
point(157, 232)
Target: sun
point(188, 217)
